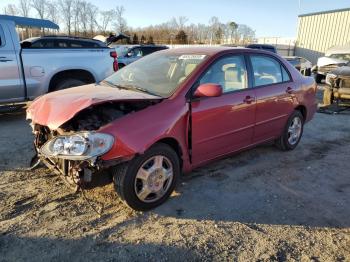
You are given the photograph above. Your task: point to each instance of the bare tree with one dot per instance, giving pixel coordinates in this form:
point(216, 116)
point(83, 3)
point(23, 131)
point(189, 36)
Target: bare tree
point(233, 30)
point(66, 8)
point(246, 33)
point(24, 7)
point(40, 7)
point(92, 15)
point(76, 15)
point(52, 13)
point(120, 20)
point(83, 16)
point(181, 21)
point(11, 9)
point(106, 18)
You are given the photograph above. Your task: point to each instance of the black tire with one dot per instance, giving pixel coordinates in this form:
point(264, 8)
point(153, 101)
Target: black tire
point(120, 66)
point(318, 78)
point(67, 83)
point(327, 97)
point(124, 177)
point(283, 142)
point(308, 72)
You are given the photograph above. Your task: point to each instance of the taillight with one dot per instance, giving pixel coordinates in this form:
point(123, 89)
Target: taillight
point(115, 60)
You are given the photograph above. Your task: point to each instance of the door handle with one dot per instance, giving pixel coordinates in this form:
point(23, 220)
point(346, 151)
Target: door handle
point(248, 99)
point(289, 90)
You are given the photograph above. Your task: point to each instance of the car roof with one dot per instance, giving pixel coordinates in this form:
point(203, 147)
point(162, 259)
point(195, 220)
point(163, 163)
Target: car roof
point(32, 39)
point(150, 46)
point(262, 45)
point(210, 51)
point(291, 57)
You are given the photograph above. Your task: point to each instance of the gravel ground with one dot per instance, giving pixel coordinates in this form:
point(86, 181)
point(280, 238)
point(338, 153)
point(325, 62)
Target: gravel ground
point(259, 205)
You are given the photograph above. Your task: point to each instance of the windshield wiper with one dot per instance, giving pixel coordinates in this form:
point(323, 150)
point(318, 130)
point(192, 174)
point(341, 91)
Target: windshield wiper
point(130, 87)
point(138, 88)
point(113, 85)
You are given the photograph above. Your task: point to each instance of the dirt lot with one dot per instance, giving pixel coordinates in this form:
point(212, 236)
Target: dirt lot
point(260, 205)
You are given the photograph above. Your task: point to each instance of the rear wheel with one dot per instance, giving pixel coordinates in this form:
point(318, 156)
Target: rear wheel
point(67, 83)
point(148, 180)
point(120, 66)
point(292, 132)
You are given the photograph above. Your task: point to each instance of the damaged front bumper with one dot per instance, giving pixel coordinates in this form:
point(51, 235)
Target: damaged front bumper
point(53, 149)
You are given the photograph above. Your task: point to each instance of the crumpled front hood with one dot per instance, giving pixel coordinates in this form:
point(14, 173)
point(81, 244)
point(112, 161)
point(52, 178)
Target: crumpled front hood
point(323, 61)
point(54, 109)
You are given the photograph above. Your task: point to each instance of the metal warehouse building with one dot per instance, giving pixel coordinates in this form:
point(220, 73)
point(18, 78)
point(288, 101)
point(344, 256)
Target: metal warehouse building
point(319, 31)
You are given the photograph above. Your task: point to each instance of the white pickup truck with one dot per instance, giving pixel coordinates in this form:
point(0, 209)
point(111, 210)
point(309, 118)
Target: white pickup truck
point(26, 73)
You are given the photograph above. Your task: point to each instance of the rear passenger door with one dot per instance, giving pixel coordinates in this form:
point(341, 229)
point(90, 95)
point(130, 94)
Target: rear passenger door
point(274, 94)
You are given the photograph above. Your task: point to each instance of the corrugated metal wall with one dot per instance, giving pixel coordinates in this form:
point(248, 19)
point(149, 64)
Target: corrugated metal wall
point(319, 31)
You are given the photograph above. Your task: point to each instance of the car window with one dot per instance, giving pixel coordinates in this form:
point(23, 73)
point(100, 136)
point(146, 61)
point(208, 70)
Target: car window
point(268, 70)
point(136, 52)
point(285, 75)
point(269, 49)
point(229, 72)
point(44, 43)
point(82, 44)
point(148, 50)
point(61, 43)
point(2, 37)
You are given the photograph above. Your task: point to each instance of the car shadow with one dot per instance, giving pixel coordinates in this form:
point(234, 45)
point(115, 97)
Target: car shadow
point(15, 141)
point(17, 248)
point(279, 189)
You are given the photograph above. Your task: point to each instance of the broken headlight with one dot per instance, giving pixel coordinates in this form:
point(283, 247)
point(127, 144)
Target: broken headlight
point(79, 146)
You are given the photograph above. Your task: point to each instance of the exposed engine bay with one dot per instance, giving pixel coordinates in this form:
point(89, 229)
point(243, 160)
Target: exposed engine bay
point(78, 170)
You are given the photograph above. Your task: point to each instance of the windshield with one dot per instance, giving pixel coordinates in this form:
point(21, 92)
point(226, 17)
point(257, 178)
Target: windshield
point(159, 73)
point(345, 57)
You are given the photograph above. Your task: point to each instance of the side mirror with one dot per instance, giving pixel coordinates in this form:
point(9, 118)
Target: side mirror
point(208, 90)
point(129, 54)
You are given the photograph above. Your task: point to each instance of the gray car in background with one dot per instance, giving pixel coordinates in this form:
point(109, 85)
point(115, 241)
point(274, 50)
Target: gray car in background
point(130, 53)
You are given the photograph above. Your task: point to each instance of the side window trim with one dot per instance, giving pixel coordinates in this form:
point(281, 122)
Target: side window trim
point(251, 72)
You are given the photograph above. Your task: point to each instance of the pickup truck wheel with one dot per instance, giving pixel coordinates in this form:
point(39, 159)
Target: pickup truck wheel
point(292, 132)
point(148, 180)
point(67, 83)
point(318, 78)
point(120, 66)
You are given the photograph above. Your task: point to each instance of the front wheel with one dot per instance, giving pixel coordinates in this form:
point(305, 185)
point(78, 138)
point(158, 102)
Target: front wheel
point(148, 180)
point(292, 132)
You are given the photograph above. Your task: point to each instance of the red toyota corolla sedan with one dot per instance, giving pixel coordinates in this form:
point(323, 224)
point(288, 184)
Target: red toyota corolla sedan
point(168, 113)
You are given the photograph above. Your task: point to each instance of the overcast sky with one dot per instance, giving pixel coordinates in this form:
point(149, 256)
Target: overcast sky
point(267, 17)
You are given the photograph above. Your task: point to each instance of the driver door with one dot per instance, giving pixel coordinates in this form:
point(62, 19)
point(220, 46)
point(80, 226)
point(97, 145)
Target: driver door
point(221, 125)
